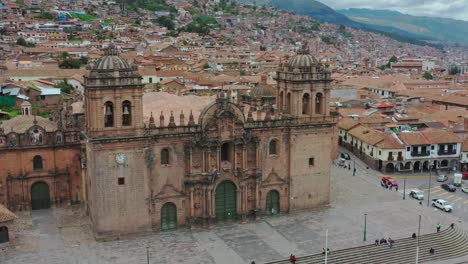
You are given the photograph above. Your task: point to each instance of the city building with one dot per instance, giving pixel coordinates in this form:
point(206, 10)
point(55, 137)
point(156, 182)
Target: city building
point(230, 164)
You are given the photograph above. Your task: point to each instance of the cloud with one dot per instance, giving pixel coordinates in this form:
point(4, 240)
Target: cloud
point(456, 9)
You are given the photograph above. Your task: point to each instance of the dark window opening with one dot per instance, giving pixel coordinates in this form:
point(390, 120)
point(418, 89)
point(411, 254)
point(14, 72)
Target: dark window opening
point(226, 152)
point(165, 157)
point(109, 115)
point(121, 181)
point(311, 161)
point(126, 113)
point(37, 163)
point(273, 147)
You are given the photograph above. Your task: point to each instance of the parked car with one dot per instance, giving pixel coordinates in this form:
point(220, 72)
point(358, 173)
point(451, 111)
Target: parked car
point(465, 175)
point(345, 156)
point(448, 187)
point(389, 181)
point(442, 178)
point(442, 205)
point(416, 194)
point(341, 162)
point(464, 189)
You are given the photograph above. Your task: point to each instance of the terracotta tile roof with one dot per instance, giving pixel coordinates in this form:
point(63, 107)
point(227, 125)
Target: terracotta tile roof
point(6, 215)
point(22, 123)
point(441, 136)
point(465, 145)
point(366, 134)
point(347, 123)
point(414, 138)
point(390, 142)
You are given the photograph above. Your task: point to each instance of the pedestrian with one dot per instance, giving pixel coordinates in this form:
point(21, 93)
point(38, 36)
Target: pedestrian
point(420, 203)
point(438, 227)
point(292, 258)
point(390, 242)
point(414, 236)
point(253, 262)
point(396, 188)
point(349, 166)
point(391, 187)
point(432, 251)
point(376, 242)
point(452, 225)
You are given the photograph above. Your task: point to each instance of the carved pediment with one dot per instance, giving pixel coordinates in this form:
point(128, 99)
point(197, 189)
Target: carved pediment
point(273, 179)
point(169, 191)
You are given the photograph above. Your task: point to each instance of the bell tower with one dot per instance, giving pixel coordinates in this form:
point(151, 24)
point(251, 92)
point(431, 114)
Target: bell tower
point(303, 87)
point(113, 97)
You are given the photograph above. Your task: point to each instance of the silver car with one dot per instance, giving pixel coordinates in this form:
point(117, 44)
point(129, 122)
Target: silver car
point(464, 189)
point(442, 178)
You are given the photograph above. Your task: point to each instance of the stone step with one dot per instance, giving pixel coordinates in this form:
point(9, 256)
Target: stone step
point(449, 243)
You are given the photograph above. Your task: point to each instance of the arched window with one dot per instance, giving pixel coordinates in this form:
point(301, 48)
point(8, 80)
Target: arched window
point(165, 157)
point(37, 163)
point(273, 150)
point(280, 103)
point(4, 234)
point(318, 103)
point(109, 115)
point(305, 104)
point(126, 113)
point(288, 103)
point(226, 152)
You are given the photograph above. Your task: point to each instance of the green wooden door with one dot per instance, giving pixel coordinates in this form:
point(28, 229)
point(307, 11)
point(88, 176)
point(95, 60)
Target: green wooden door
point(272, 203)
point(226, 202)
point(168, 217)
point(40, 198)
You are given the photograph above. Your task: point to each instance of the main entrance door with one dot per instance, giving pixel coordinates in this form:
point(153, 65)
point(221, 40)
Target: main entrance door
point(226, 204)
point(40, 198)
point(168, 217)
point(272, 202)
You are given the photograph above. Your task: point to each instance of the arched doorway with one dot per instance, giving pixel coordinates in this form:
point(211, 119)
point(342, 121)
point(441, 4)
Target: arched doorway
point(226, 202)
point(318, 103)
point(408, 166)
point(305, 104)
point(4, 234)
point(417, 166)
point(444, 164)
point(273, 202)
point(168, 217)
point(40, 197)
point(390, 167)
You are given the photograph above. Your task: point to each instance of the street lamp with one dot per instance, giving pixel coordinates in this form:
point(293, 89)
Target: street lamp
point(354, 167)
point(429, 190)
point(147, 255)
point(417, 247)
point(365, 226)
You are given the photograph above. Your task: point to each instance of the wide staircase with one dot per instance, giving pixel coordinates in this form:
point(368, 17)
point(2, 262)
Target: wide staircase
point(449, 243)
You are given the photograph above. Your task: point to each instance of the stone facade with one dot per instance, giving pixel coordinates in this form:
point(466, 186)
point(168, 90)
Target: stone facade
point(223, 166)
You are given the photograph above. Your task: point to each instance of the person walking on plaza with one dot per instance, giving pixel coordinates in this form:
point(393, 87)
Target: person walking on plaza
point(376, 242)
point(431, 251)
point(292, 258)
point(438, 227)
point(414, 236)
point(452, 225)
point(396, 188)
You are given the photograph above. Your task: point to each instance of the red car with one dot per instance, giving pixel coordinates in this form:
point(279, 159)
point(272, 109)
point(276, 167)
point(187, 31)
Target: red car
point(389, 181)
point(465, 175)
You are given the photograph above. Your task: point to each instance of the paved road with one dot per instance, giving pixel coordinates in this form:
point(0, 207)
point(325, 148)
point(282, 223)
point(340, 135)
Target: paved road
point(63, 237)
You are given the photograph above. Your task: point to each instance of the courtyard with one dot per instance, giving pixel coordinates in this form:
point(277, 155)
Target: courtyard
point(62, 235)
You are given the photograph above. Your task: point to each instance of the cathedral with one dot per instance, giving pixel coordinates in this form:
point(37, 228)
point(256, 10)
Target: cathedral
point(229, 162)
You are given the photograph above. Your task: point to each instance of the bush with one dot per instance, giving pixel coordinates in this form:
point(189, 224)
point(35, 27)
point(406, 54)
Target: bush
point(24, 43)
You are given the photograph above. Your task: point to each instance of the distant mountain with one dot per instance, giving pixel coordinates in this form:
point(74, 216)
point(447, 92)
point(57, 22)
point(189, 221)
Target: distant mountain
point(324, 13)
point(437, 28)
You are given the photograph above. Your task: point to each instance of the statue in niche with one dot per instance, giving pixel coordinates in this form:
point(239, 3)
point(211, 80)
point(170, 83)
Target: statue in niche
point(35, 136)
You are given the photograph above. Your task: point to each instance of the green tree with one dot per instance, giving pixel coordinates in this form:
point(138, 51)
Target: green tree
point(453, 70)
point(427, 76)
point(393, 59)
point(166, 22)
point(65, 87)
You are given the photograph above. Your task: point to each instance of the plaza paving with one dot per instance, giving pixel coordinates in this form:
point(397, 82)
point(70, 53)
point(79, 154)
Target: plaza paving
point(63, 235)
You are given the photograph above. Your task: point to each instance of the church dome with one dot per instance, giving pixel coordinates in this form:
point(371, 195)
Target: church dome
point(302, 60)
point(111, 61)
point(263, 89)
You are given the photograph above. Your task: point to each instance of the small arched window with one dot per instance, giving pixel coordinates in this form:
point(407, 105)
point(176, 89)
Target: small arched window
point(305, 104)
point(165, 158)
point(273, 149)
point(126, 113)
point(318, 103)
point(109, 115)
point(226, 152)
point(37, 163)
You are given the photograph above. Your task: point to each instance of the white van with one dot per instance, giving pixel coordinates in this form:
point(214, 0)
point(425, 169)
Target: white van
point(457, 179)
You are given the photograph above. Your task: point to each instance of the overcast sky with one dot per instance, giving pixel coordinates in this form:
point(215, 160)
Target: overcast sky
point(457, 9)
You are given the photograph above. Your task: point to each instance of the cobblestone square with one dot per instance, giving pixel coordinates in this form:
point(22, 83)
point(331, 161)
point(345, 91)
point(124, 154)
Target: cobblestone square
point(63, 235)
